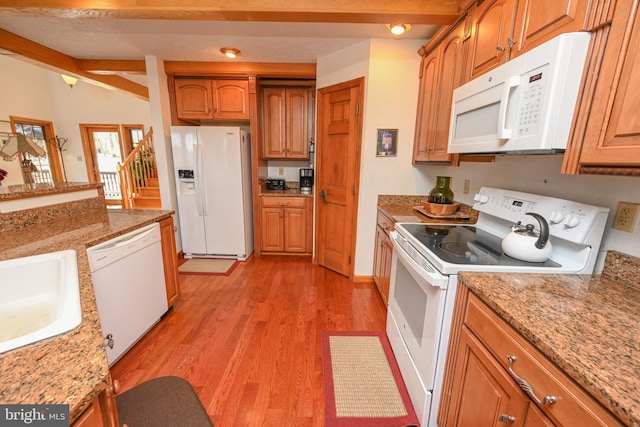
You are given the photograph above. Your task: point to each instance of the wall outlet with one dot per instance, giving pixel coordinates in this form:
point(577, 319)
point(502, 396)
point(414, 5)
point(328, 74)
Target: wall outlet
point(626, 216)
point(280, 171)
point(465, 188)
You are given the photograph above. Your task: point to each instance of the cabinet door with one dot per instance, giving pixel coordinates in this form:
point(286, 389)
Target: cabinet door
point(231, 99)
point(272, 229)
point(482, 394)
point(170, 260)
point(538, 21)
point(194, 99)
point(378, 260)
point(612, 136)
point(385, 274)
point(535, 418)
point(450, 77)
point(296, 123)
point(426, 106)
point(274, 122)
point(491, 35)
point(295, 230)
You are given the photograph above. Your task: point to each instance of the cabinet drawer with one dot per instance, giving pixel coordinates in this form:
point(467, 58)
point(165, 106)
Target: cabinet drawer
point(573, 407)
point(384, 222)
point(283, 202)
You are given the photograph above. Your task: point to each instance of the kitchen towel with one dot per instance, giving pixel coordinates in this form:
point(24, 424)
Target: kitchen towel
point(362, 382)
point(210, 266)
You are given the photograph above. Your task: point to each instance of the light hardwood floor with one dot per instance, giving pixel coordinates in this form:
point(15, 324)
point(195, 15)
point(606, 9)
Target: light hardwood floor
point(249, 343)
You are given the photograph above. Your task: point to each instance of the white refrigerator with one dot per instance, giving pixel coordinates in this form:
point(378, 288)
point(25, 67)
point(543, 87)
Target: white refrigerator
point(212, 167)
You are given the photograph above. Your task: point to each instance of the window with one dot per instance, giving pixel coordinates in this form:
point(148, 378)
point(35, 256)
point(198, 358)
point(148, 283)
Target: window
point(47, 169)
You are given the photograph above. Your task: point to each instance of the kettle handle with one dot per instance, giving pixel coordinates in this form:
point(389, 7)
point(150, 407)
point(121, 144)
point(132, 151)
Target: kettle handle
point(544, 230)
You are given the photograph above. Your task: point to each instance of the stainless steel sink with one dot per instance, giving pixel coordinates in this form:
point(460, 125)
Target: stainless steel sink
point(39, 298)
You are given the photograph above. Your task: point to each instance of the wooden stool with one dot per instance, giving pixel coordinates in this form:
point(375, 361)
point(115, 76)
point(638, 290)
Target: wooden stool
point(164, 401)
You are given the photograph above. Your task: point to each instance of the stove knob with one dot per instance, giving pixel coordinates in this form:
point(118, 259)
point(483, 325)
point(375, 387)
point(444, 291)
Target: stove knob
point(572, 221)
point(556, 217)
point(481, 198)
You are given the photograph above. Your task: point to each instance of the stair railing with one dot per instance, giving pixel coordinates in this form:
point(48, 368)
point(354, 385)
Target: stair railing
point(137, 169)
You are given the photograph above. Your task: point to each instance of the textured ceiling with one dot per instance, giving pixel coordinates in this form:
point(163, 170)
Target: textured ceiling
point(196, 40)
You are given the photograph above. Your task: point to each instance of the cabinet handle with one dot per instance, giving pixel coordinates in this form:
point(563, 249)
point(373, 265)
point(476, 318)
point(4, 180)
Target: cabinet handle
point(526, 387)
point(501, 48)
point(504, 418)
point(511, 42)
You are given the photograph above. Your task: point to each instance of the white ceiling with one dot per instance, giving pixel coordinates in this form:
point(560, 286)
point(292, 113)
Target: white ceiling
point(133, 39)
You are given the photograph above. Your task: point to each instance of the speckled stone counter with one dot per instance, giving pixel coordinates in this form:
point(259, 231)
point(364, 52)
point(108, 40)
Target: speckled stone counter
point(401, 209)
point(587, 325)
point(70, 368)
point(291, 190)
point(10, 192)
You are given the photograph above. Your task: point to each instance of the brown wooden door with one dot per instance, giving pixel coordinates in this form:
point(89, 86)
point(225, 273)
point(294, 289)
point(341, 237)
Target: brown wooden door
point(613, 130)
point(538, 21)
point(297, 129)
point(450, 77)
point(426, 106)
point(482, 390)
point(338, 171)
point(491, 35)
point(231, 99)
point(194, 99)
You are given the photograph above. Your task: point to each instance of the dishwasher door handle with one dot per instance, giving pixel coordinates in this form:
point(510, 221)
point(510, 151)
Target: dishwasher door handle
point(106, 253)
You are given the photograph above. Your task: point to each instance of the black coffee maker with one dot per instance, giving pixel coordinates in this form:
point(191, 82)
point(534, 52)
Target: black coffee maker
point(306, 180)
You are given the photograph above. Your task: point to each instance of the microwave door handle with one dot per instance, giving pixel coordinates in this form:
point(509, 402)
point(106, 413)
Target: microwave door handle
point(509, 84)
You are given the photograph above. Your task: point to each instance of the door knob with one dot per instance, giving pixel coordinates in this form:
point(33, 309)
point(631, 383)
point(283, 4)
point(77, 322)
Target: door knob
point(323, 194)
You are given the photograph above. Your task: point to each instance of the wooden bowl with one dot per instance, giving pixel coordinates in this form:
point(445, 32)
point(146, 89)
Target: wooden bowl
point(440, 209)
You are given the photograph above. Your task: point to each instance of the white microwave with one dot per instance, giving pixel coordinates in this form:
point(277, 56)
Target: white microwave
point(523, 106)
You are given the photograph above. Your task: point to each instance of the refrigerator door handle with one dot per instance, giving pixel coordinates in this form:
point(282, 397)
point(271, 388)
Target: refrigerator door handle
point(200, 196)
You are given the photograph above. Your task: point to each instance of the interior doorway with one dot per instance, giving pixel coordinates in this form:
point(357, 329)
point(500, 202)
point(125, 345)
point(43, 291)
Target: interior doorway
point(103, 150)
point(338, 152)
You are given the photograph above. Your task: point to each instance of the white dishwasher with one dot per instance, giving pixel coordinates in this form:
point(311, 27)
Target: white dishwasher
point(128, 279)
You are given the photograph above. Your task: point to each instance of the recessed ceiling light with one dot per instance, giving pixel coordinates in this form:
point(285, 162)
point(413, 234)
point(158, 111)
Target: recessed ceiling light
point(398, 29)
point(230, 52)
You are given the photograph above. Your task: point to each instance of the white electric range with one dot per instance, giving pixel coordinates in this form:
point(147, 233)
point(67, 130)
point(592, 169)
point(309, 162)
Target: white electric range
point(427, 258)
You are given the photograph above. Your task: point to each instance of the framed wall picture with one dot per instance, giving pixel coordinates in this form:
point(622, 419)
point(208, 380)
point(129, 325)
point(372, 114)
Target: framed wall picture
point(387, 143)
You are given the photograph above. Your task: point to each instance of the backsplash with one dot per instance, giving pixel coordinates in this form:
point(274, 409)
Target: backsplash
point(622, 268)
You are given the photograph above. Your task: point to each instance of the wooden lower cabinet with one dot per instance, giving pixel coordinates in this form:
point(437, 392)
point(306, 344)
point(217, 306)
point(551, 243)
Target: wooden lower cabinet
point(170, 260)
point(103, 411)
point(482, 393)
point(480, 388)
point(286, 225)
point(382, 256)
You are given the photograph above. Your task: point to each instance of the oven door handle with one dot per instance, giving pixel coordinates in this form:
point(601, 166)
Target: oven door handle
point(423, 268)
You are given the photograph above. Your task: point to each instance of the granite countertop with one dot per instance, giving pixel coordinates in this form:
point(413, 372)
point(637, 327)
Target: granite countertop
point(291, 190)
point(11, 192)
point(401, 209)
point(70, 368)
point(587, 325)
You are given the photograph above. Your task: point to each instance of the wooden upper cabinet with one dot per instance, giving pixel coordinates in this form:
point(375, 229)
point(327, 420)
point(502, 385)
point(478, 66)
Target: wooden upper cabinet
point(441, 74)
point(194, 99)
point(206, 99)
point(538, 21)
point(610, 141)
point(491, 35)
point(231, 99)
point(286, 115)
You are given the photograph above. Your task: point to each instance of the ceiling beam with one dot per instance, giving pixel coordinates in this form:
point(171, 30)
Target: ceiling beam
point(111, 66)
point(59, 62)
point(429, 12)
point(272, 70)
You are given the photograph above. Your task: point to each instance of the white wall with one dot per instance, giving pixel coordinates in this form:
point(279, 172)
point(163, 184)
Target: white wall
point(36, 93)
point(391, 71)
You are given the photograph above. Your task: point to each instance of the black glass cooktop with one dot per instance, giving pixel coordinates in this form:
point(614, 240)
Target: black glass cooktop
point(460, 244)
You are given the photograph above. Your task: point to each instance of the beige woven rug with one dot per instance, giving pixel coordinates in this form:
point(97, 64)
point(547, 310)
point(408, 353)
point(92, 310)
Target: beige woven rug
point(214, 266)
point(363, 386)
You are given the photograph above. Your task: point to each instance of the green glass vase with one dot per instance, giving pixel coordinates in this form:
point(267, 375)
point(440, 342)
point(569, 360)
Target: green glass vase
point(441, 193)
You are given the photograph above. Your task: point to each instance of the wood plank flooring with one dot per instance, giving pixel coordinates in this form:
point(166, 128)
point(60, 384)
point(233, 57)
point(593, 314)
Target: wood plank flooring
point(249, 343)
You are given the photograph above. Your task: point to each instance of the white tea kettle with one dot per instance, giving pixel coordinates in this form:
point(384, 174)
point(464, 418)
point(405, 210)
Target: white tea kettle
point(525, 244)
